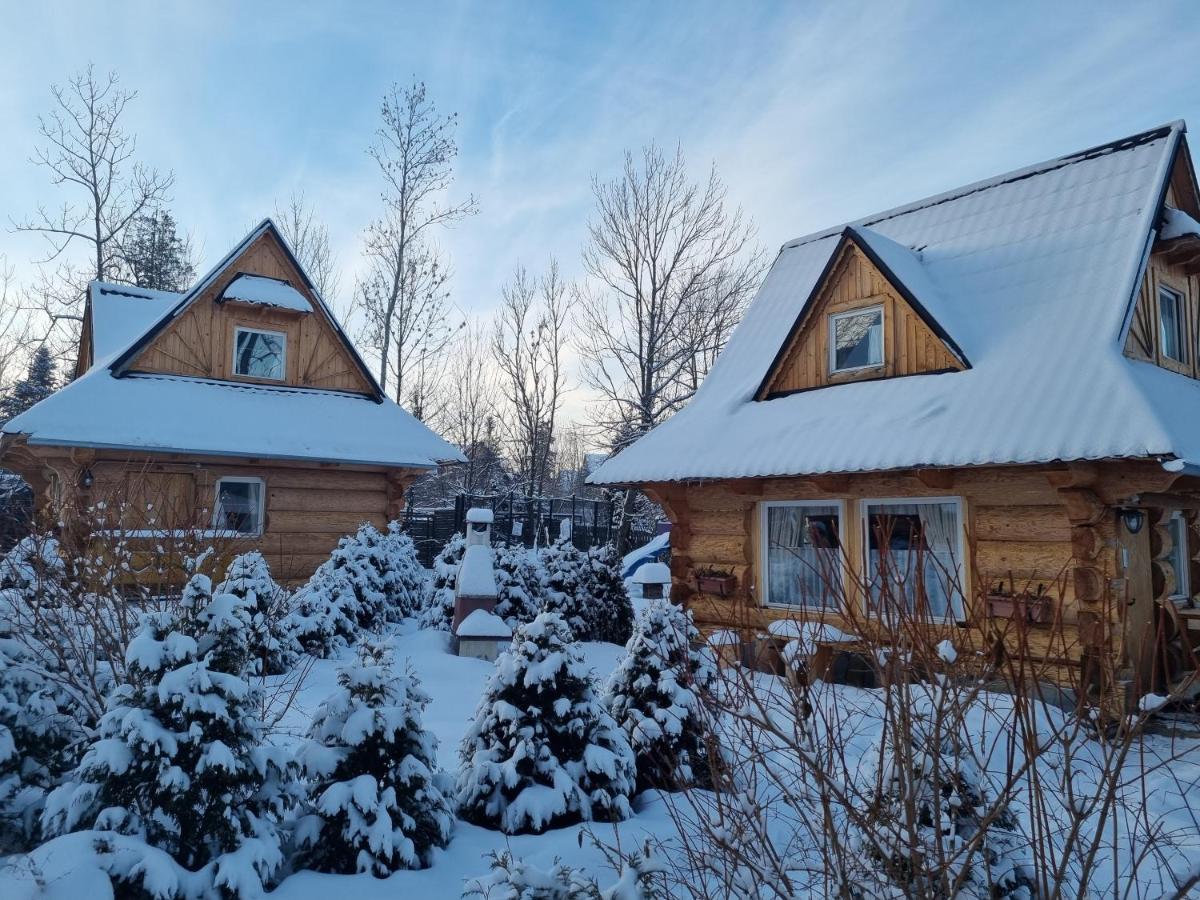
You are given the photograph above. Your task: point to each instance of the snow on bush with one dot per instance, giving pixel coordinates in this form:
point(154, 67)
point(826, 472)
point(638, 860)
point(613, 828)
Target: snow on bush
point(404, 578)
point(381, 803)
point(565, 579)
point(180, 760)
point(607, 608)
point(542, 751)
point(518, 590)
point(38, 737)
point(657, 697)
point(438, 611)
point(273, 647)
point(361, 558)
point(515, 879)
point(324, 616)
point(33, 567)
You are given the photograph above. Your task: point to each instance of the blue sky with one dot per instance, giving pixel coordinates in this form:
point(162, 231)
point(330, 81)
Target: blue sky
point(814, 113)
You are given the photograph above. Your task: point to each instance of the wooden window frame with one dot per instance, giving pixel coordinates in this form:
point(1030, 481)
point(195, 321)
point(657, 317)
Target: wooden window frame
point(832, 319)
point(764, 584)
point(959, 616)
point(1183, 575)
point(282, 335)
point(260, 513)
point(1180, 297)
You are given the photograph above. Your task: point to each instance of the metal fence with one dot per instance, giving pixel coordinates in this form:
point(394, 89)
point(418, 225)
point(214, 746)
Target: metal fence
point(532, 521)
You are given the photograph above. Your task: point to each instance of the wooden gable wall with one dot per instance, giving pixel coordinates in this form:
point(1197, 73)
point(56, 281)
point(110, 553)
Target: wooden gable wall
point(200, 341)
point(910, 347)
point(1144, 339)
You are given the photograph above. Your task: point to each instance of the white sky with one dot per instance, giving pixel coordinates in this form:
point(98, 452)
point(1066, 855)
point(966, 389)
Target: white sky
point(814, 113)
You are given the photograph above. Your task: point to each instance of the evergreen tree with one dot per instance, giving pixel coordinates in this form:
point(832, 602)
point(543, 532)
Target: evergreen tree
point(38, 737)
point(38, 384)
point(657, 695)
point(563, 582)
point(439, 607)
point(381, 802)
point(517, 600)
point(273, 648)
point(154, 255)
point(324, 616)
point(361, 559)
point(405, 579)
point(542, 751)
point(181, 760)
point(607, 608)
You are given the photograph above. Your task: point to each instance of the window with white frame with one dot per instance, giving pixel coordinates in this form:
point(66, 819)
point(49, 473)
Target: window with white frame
point(1172, 328)
point(914, 556)
point(856, 339)
point(238, 507)
point(1180, 557)
point(802, 549)
point(259, 354)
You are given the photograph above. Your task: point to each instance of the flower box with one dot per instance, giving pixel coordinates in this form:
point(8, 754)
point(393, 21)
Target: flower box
point(1024, 607)
point(720, 584)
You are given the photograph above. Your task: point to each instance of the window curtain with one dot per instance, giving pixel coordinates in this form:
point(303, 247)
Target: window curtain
point(875, 339)
point(800, 573)
point(917, 560)
point(940, 526)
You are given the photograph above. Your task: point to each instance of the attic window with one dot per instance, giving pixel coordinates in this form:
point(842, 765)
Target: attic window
point(259, 354)
point(1171, 326)
point(856, 340)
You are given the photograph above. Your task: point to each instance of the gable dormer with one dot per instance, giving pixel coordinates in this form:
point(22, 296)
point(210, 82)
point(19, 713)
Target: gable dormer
point(257, 319)
point(873, 313)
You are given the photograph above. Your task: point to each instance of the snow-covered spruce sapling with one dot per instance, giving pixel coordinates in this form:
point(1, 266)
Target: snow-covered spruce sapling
point(360, 558)
point(564, 582)
point(516, 597)
point(38, 743)
point(542, 751)
point(405, 578)
point(180, 760)
point(438, 610)
point(657, 697)
point(607, 607)
point(324, 617)
point(379, 801)
point(273, 647)
point(640, 877)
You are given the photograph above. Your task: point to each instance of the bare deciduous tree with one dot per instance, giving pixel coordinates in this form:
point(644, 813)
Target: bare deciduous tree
point(86, 148)
point(404, 295)
point(309, 238)
point(672, 269)
point(528, 342)
point(14, 329)
point(469, 420)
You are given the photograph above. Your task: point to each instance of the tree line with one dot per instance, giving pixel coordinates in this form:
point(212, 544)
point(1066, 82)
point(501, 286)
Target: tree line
point(666, 270)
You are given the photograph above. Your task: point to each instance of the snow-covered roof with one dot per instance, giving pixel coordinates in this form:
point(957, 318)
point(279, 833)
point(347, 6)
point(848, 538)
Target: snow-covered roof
point(483, 624)
point(1177, 224)
point(1032, 274)
point(653, 573)
point(194, 416)
point(122, 313)
point(480, 515)
point(263, 291)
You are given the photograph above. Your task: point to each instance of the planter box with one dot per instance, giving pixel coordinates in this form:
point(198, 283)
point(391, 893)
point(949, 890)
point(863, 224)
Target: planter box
point(1020, 607)
point(720, 585)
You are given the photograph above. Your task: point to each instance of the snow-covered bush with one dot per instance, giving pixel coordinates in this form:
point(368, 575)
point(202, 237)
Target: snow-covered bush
point(404, 578)
point(324, 617)
point(273, 647)
point(657, 697)
point(380, 801)
point(34, 567)
point(438, 611)
point(180, 760)
point(514, 879)
point(542, 751)
point(607, 608)
point(564, 580)
point(517, 588)
point(38, 738)
point(361, 559)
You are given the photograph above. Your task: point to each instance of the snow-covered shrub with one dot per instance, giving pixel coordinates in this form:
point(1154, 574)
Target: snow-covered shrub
point(381, 803)
point(273, 647)
point(657, 694)
point(34, 568)
point(542, 751)
point(180, 760)
point(361, 559)
point(514, 879)
point(404, 577)
point(517, 588)
point(324, 616)
point(564, 579)
point(607, 608)
point(38, 738)
point(438, 611)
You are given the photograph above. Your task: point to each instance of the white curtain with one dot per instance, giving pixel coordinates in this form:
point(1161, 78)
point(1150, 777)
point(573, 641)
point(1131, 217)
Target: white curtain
point(911, 569)
point(799, 572)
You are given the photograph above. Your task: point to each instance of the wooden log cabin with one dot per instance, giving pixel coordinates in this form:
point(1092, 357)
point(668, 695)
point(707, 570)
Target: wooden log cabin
point(1007, 377)
point(238, 411)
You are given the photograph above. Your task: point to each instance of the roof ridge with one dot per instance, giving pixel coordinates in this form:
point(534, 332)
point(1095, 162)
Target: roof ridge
point(1018, 174)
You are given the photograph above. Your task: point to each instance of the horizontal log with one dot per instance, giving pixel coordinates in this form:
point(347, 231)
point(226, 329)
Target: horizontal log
point(291, 522)
point(326, 480)
point(1044, 562)
point(718, 549)
point(1022, 523)
point(305, 500)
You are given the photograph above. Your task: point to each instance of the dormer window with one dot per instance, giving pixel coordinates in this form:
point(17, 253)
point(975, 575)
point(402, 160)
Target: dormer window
point(259, 354)
point(856, 340)
point(1172, 330)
